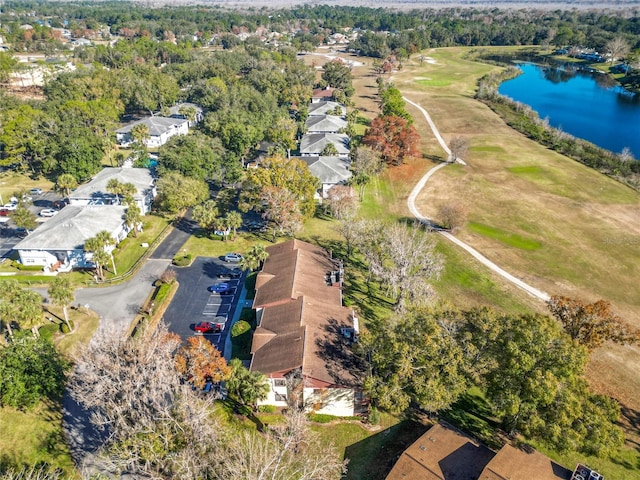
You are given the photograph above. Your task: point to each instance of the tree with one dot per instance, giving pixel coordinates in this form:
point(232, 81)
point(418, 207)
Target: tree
point(246, 386)
point(365, 164)
point(133, 217)
point(338, 75)
point(24, 218)
point(393, 103)
point(19, 306)
point(253, 259)
point(177, 192)
point(65, 183)
point(283, 133)
point(98, 246)
point(115, 186)
point(591, 324)
point(329, 150)
point(140, 134)
point(200, 361)
point(414, 359)
point(452, 215)
point(156, 424)
point(61, 294)
point(233, 220)
point(288, 451)
point(459, 147)
point(342, 202)
point(290, 174)
point(206, 214)
point(616, 48)
point(393, 138)
point(402, 258)
point(31, 370)
point(282, 210)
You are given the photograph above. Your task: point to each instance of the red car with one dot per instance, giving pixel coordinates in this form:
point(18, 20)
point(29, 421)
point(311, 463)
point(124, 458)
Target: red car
point(208, 327)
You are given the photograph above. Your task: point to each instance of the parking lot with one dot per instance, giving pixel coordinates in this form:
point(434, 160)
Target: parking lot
point(9, 236)
point(194, 303)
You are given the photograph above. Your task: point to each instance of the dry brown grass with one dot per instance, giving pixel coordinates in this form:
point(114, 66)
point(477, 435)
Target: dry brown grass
point(587, 225)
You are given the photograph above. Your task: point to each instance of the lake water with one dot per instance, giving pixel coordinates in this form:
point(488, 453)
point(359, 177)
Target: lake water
point(586, 105)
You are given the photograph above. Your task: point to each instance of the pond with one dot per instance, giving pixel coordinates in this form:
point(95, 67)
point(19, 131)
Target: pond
point(585, 104)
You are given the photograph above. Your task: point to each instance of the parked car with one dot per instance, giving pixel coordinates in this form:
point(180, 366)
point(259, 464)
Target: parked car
point(208, 327)
point(48, 212)
point(221, 288)
point(230, 273)
point(233, 257)
point(35, 191)
point(10, 206)
point(3, 212)
point(59, 204)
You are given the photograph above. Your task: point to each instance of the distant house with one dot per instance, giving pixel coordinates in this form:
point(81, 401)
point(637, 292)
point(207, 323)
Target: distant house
point(161, 129)
point(329, 170)
point(58, 244)
point(313, 144)
point(445, 453)
point(95, 191)
point(325, 107)
point(299, 343)
point(177, 111)
point(325, 124)
point(322, 95)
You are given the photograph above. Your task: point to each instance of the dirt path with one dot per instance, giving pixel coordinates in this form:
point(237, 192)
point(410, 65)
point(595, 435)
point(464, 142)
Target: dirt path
point(411, 203)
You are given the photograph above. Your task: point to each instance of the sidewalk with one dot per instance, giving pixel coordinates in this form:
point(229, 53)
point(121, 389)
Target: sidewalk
point(243, 302)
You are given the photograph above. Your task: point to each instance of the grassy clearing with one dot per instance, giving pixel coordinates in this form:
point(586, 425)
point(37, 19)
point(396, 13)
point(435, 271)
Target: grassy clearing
point(434, 83)
point(508, 238)
point(34, 436)
point(12, 182)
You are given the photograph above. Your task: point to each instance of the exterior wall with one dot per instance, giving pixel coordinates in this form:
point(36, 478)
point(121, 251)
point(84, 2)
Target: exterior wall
point(37, 257)
point(330, 401)
point(278, 393)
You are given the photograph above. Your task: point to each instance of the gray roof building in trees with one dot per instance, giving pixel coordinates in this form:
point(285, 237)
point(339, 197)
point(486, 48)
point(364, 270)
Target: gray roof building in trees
point(325, 124)
point(314, 143)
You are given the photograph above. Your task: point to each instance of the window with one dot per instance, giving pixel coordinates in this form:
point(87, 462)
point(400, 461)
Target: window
point(279, 382)
point(280, 397)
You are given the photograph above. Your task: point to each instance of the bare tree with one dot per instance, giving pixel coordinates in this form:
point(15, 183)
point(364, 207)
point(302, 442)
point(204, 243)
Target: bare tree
point(134, 392)
point(625, 155)
point(287, 451)
point(452, 215)
point(616, 48)
point(402, 258)
point(459, 147)
point(342, 202)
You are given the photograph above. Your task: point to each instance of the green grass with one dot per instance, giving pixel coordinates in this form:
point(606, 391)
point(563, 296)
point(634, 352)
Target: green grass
point(434, 83)
point(34, 436)
point(527, 170)
point(508, 238)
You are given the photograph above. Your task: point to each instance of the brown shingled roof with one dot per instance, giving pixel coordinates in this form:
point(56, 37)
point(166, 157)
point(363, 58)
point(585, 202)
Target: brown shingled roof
point(442, 453)
point(514, 464)
point(298, 304)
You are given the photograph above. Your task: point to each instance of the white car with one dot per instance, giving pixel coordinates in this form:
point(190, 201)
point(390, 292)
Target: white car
point(48, 212)
point(233, 257)
point(10, 206)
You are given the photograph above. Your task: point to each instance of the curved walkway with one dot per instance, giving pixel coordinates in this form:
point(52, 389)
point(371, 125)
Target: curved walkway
point(477, 255)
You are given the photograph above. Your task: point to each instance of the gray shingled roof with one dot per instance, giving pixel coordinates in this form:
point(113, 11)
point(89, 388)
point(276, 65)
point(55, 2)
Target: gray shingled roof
point(70, 228)
point(175, 110)
point(156, 125)
point(329, 170)
point(322, 108)
point(314, 143)
point(97, 187)
point(325, 123)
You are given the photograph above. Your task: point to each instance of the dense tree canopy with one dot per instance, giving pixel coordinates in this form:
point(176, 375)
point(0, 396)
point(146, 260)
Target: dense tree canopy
point(393, 137)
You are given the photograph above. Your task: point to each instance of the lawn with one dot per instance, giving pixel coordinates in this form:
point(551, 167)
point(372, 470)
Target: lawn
point(508, 238)
point(12, 182)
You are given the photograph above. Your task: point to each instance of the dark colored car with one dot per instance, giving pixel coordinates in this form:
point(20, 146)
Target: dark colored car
point(59, 204)
point(221, 288)
point(208, 327)
point(230, 273)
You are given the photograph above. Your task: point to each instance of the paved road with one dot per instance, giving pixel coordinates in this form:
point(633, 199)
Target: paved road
point(174, 241)
point(477, 255)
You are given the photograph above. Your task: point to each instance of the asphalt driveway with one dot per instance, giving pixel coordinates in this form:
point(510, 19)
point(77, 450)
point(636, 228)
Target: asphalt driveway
point(193, 303)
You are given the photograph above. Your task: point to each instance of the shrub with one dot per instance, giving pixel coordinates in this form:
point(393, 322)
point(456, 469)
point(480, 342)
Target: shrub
point(267, 409)
point(182, 260)
point(239, 328)
point(168, 276)
point(47, 331)
point(64, 328)
point(27, 268)
point(374, 416)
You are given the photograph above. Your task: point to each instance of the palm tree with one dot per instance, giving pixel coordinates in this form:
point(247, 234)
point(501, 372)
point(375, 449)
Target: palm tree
point(233, 220)
point(128, 190)
point(254, 257)
point(19, 305)
point(107, 240)
point(133, 218)
point(114, 186)
point(97, 245)
point(140, 133)
point(248, 387)
point(61, 294)
point(66, 182)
